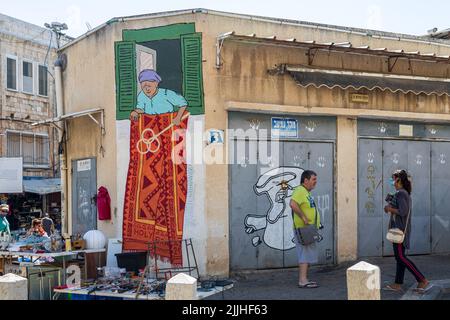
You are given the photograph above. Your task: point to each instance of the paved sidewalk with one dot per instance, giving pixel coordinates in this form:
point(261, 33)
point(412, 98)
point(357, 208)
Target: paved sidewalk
point(281, 284)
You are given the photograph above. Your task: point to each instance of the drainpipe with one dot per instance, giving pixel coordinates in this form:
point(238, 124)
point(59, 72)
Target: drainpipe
point(62, 157)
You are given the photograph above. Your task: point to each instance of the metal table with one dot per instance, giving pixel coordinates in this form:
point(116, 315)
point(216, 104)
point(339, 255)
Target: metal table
point(62, 254)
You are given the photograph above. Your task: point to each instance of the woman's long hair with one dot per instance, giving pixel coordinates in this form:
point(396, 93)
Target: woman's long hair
point(403, 176)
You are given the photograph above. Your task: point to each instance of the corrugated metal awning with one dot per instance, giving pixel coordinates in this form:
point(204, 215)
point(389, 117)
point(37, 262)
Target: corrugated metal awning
point(42, 186)
point(318, 78)
point(338, 46)
point(347, 47)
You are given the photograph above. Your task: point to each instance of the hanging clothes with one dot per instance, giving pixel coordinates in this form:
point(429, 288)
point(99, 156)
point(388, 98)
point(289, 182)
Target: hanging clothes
point(103, 204)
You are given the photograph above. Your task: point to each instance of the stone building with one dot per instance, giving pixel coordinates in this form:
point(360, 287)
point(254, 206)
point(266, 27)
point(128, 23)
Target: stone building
point(27, 54)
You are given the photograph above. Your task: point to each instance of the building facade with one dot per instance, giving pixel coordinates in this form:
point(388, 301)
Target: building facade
point(27, 87)
point(267, 98)
point(28, 95)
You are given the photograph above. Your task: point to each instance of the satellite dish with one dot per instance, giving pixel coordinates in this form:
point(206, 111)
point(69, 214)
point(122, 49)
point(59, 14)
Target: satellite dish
point(63, 61)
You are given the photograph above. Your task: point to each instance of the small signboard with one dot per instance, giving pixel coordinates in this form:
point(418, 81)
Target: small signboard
point(359, 98)
point(84, 165)
point(11, 175)
point(284, 128)
point(405, 130)
point(215, 136)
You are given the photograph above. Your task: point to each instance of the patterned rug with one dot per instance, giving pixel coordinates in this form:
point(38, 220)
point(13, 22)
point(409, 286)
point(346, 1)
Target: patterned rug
point(156, 190)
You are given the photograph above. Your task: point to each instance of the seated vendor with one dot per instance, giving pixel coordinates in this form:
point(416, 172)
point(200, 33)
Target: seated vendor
point(4, 224)
point(47, 224)
point(36, 229)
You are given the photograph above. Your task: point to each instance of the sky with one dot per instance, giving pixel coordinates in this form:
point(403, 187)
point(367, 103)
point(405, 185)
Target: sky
point(400, 16)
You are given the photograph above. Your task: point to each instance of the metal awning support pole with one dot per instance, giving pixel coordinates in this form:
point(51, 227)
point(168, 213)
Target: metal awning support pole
point(102, 121)
point(63, 156)
point(391, 65)
point(93, 119)
point(219, 44)
point(311, 55)
point(102, 130)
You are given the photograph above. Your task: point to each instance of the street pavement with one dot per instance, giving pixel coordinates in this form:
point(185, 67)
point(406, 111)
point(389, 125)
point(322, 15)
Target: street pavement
point(281, 284)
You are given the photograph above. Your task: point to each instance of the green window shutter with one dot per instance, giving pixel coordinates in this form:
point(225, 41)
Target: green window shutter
point(191, 47)
point(125, 79)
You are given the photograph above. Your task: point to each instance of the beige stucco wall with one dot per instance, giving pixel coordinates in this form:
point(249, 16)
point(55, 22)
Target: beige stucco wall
point(88, 143)
point(89, 81)
point(346, 185)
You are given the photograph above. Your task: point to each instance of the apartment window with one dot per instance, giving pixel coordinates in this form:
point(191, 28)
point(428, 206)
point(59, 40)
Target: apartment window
point(41, 150)
point(27, 77)
point(13, 145)
point(33, 148)
point(43, 81)
point(11, 73)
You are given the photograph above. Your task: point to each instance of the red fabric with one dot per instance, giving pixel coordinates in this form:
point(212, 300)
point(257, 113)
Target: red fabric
point(103, 204)
point(156, 189)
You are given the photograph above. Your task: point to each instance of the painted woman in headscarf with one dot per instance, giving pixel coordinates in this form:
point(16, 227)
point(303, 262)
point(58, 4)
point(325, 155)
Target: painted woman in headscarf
point(155, 100)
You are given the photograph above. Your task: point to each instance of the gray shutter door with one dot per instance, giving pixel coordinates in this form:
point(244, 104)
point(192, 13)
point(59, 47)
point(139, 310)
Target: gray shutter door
point(370, 202)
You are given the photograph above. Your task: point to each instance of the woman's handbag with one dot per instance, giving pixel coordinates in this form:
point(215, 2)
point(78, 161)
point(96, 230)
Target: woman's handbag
point(308, 234)
point(396, 235)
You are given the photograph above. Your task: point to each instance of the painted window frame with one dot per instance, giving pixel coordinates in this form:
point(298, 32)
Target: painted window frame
point(141, 48)
point(24, 60)
point(180, 31)
point(16, 58)
point(38, 78)
point(28, 133)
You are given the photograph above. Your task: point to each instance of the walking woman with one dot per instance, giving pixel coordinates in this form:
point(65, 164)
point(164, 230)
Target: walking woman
point(400, 209)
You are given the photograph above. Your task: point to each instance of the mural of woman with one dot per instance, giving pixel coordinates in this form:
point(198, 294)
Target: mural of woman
point(159, 79)
point(156, 188)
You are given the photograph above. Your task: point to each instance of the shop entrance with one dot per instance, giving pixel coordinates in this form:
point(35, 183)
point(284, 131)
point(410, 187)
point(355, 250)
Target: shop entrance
point(427, 162)
point(263, 175)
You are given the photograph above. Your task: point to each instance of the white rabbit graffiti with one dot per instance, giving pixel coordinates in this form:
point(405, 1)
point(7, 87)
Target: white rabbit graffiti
point(278, 185)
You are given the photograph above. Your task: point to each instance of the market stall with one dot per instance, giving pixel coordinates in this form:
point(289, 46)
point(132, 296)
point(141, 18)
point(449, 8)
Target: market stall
point(72, 268)
point(154, 290)
point(39, 196)
point(48, 261)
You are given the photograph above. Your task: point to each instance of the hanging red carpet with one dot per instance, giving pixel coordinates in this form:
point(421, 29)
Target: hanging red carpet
point(156, 189)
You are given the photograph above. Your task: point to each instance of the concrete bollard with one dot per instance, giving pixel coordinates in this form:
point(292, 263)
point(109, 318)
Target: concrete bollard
point(13, 287)
point(181, 287)
point(363, 282)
